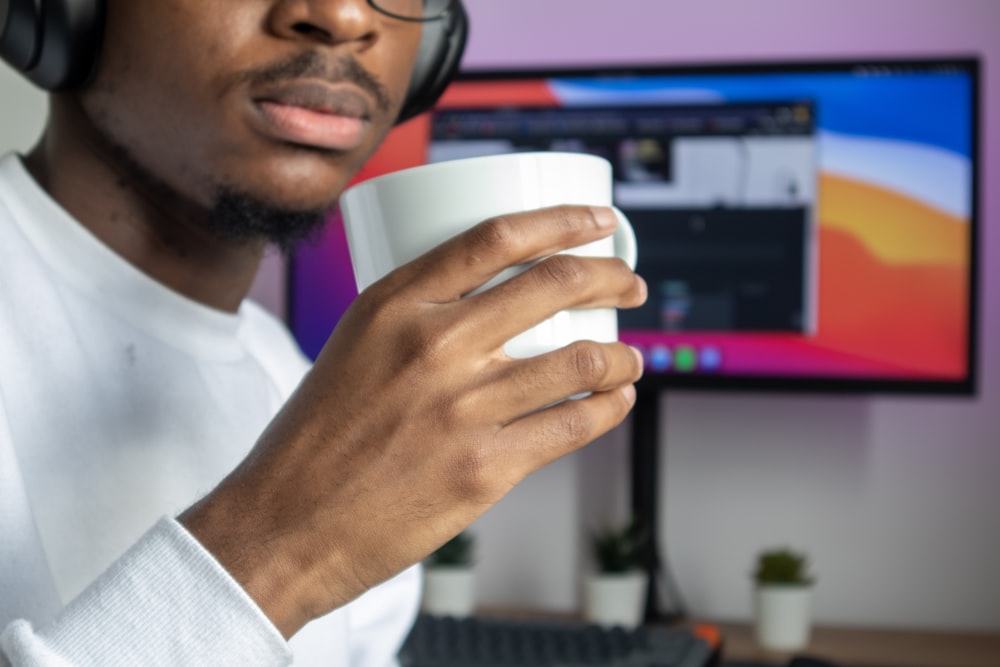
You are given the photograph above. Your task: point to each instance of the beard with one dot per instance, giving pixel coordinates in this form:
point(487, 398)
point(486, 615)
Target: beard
point(240, 217)
point(234, 215)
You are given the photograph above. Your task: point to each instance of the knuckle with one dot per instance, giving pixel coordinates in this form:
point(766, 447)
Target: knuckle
point(457, 408)
point(424, 341)
point(572, 218)
point(496, 235)
point(576, 424)
point(569, 218)
point(469, 472)
point(565, 272)
point(590, 361)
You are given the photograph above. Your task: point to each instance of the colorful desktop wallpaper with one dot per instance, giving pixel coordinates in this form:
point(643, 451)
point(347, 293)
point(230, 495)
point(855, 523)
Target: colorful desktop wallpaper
point(894, 214)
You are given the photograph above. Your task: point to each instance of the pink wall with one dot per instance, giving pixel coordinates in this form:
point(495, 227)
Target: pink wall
point(530, 32)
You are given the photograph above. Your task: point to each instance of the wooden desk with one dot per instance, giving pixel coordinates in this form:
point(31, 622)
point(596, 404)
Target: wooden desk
point(872, 647)
point(845, 647)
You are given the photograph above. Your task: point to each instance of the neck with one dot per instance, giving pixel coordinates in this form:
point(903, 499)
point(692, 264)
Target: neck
point(158, 231)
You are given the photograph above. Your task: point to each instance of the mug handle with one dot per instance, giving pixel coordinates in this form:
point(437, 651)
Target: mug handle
point(626, 246)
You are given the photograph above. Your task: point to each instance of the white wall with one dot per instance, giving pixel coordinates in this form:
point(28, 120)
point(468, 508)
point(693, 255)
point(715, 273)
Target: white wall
point(23, 110)
point(896, 499)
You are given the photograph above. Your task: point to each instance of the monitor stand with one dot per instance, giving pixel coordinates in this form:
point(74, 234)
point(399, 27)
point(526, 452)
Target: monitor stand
point(645, 474)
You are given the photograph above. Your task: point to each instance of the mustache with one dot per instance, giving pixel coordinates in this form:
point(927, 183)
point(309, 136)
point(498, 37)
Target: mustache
point(312, 64)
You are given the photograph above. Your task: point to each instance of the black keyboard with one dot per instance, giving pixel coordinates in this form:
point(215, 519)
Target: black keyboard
point(437, 641)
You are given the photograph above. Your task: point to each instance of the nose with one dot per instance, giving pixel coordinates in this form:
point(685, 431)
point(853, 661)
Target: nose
point(324, 21)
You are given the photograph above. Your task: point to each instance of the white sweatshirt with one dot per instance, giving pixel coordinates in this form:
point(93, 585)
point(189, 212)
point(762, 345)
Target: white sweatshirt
point(121, 403)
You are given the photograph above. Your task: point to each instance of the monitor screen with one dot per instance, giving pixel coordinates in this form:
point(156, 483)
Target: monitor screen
point(800, 225)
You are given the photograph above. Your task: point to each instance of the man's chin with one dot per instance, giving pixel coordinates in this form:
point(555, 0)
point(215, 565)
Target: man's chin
point(239, 217)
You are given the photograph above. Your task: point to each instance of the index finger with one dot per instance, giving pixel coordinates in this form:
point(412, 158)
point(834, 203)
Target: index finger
point(460, 265)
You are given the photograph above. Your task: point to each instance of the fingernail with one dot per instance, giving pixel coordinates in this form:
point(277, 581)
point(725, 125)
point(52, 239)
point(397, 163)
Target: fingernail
point(643, 288)
point(628, 391)
point(640, 359)
point(605, 217)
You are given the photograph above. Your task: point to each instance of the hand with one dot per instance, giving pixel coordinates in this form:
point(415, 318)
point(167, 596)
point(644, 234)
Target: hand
point(413, 421)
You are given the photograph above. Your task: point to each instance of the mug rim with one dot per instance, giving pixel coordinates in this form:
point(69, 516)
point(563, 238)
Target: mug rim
point(469, 162)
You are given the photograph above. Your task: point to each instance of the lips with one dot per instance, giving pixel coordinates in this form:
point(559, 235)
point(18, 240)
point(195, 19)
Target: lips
point(316, 115)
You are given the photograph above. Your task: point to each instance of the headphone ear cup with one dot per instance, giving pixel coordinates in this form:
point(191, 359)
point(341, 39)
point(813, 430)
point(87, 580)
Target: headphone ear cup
point(20, 22)
point(438, 59)
point(54, 43)
point(71, 37)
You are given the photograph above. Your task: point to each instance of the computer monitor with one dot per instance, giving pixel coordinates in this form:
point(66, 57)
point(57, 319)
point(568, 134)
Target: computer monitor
point(801, 225)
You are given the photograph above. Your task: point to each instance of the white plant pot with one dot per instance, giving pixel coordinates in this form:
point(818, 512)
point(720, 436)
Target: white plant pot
point(782, 617)
point(449, 591)
point(615, 599)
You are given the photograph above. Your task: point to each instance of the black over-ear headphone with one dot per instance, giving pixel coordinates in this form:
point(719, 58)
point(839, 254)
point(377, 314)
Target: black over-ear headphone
point(441, 47)
point(55, 44)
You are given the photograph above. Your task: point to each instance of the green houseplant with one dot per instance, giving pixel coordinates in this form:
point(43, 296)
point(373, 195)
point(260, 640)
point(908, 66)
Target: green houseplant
point(782, 567)
point(449, 581)
point(782, 598)
point(456, 552)
point(620, 548)
point(615, 593)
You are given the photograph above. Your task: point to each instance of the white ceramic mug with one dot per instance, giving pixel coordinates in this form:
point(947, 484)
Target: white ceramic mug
point(393, 219)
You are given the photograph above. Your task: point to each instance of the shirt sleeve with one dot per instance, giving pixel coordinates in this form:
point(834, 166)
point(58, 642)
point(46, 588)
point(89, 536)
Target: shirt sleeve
point(167, 601)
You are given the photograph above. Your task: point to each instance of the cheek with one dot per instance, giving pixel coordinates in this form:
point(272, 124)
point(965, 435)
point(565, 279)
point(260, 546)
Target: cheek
point(159, 98)
point(150, 128)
